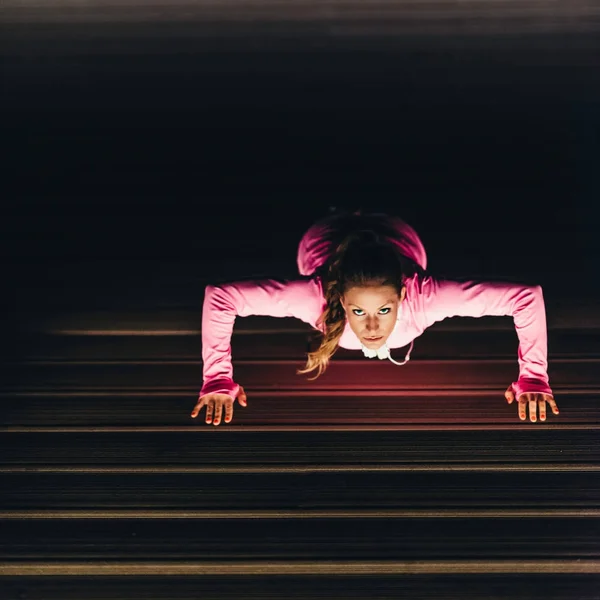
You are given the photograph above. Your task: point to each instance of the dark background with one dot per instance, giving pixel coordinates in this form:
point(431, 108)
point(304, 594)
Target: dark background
point(151, 146)
point(208, 139)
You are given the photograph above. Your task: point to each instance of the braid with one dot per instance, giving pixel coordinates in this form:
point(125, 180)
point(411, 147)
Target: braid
point(332, 321)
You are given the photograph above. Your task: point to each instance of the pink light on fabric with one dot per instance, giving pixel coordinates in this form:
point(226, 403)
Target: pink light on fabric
point(428, 300)
point(320, 240)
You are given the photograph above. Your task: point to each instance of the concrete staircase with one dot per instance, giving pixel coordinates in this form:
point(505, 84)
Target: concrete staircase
point(374, 481)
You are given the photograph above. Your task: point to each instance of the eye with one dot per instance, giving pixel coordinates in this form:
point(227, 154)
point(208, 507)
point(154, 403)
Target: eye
point(358, 310)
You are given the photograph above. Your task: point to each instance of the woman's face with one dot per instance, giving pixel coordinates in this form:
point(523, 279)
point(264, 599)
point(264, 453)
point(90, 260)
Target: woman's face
point(372, 312)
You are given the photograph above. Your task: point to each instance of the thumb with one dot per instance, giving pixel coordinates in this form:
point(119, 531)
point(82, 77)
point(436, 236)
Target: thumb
point(242, 398)
point(509, 395)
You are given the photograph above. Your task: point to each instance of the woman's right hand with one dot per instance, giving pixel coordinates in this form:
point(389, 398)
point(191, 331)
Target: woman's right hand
point(214, 406)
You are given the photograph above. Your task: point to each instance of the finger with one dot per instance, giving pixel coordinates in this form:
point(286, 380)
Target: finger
point(228, 411)
point(550, 400)
point(522, 409)
point(218, 412)
point(523, 401)
point(532, 409)
point(198, 408)
point(509, 394)
point(542, 409)
point(209, 411)
point(242, 399)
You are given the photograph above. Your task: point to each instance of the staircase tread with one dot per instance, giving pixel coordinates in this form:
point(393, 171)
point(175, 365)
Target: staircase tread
point(311, 568)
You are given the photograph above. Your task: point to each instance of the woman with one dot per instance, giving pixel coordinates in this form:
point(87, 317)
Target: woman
point(365, 285)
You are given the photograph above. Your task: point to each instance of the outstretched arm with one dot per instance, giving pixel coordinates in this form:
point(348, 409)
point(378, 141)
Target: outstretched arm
point(299, 298)
point(444, 298)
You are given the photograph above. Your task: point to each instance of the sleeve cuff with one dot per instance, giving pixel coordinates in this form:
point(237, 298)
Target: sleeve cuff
point(529, 385)
point(220, 386)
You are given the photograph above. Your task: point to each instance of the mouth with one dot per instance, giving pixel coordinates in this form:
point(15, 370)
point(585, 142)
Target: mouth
point(375, 339)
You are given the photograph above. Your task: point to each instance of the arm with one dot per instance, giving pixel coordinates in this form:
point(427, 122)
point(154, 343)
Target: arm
point(222, 303)
point(444, 298)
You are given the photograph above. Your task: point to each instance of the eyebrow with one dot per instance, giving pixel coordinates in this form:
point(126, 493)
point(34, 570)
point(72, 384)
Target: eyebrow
point(388, 302)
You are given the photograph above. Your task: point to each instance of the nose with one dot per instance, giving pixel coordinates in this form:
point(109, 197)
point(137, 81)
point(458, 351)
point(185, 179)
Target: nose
point(372, 326)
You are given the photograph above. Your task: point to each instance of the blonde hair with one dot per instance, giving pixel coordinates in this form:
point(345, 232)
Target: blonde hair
point(360, 259)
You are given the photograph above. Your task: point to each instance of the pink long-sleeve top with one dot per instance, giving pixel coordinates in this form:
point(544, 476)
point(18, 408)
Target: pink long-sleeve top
point(427, 301)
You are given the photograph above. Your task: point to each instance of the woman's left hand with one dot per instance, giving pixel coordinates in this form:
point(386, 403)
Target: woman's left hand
point(535, 401)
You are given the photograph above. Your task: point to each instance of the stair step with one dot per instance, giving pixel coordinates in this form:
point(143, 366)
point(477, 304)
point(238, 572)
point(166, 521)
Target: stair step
point(410, 487)
point(342, 374)
point(134, 514)
point(423, 580)
point(272, 409)
point(305, 568)
point(289, 344)
point(315, 539)
point(227, 446)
